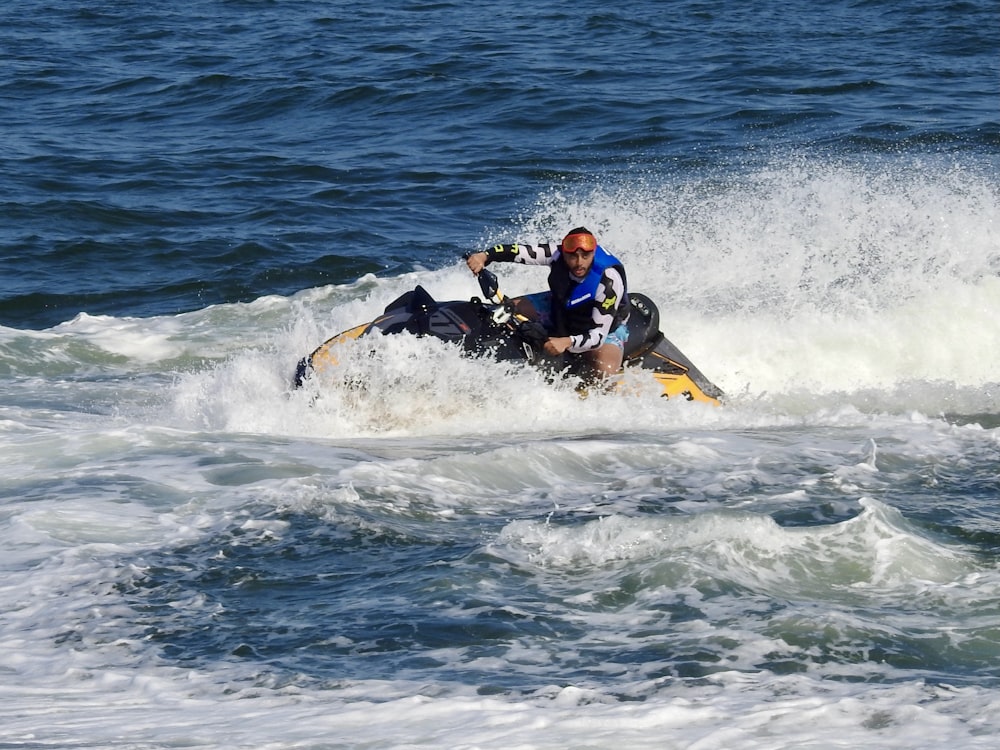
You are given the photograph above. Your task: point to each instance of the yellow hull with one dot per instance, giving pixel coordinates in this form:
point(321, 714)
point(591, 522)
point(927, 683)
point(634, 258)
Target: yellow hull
point(323, 359)
point(682, 386)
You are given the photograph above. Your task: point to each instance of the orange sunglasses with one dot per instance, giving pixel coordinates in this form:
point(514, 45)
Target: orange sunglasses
point(579, 243)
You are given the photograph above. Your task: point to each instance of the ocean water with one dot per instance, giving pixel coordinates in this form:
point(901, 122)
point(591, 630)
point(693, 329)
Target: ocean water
point(193, 554)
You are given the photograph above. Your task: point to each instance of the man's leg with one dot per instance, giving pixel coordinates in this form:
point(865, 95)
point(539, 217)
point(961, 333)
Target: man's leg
point(605, 360)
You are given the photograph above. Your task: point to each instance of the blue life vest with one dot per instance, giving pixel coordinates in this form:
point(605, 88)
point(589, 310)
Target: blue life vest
point(572, 302)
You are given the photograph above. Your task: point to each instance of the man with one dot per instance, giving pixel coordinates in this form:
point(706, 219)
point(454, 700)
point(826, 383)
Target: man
point(586, 307)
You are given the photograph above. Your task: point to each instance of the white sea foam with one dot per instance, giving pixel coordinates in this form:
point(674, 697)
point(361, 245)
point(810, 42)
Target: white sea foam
point(65, 634)
point(815, 277)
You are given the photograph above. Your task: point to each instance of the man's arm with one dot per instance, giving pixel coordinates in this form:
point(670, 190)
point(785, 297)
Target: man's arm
point(541, 254)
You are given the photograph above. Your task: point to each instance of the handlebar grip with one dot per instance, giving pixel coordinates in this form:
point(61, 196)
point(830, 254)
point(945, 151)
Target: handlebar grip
point(488, 283)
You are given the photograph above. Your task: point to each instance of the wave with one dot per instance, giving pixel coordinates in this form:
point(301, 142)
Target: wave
point(799, 286)
point(812, 276)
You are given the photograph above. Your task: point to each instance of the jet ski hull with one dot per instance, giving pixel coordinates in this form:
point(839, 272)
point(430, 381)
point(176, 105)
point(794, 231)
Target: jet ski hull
point(485, 329)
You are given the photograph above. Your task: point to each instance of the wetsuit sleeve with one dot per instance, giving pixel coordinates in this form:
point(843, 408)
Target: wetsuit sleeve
point(607, 303)
point(541, 254)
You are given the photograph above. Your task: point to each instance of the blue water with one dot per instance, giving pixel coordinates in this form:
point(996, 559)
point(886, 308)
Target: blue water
point(463, 556)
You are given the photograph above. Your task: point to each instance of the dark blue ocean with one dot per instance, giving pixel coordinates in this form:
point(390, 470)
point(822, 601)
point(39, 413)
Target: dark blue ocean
point(461, 555)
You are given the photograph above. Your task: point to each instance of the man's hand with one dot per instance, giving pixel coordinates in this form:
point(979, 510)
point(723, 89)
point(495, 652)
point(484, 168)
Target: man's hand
point(477, 262)
point(556, 346)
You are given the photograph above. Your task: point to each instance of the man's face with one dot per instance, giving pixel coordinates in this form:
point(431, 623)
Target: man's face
point(579, 262)
point(578, 251)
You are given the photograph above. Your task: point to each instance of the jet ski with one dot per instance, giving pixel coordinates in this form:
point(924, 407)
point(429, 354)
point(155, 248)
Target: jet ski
point(492, 328)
